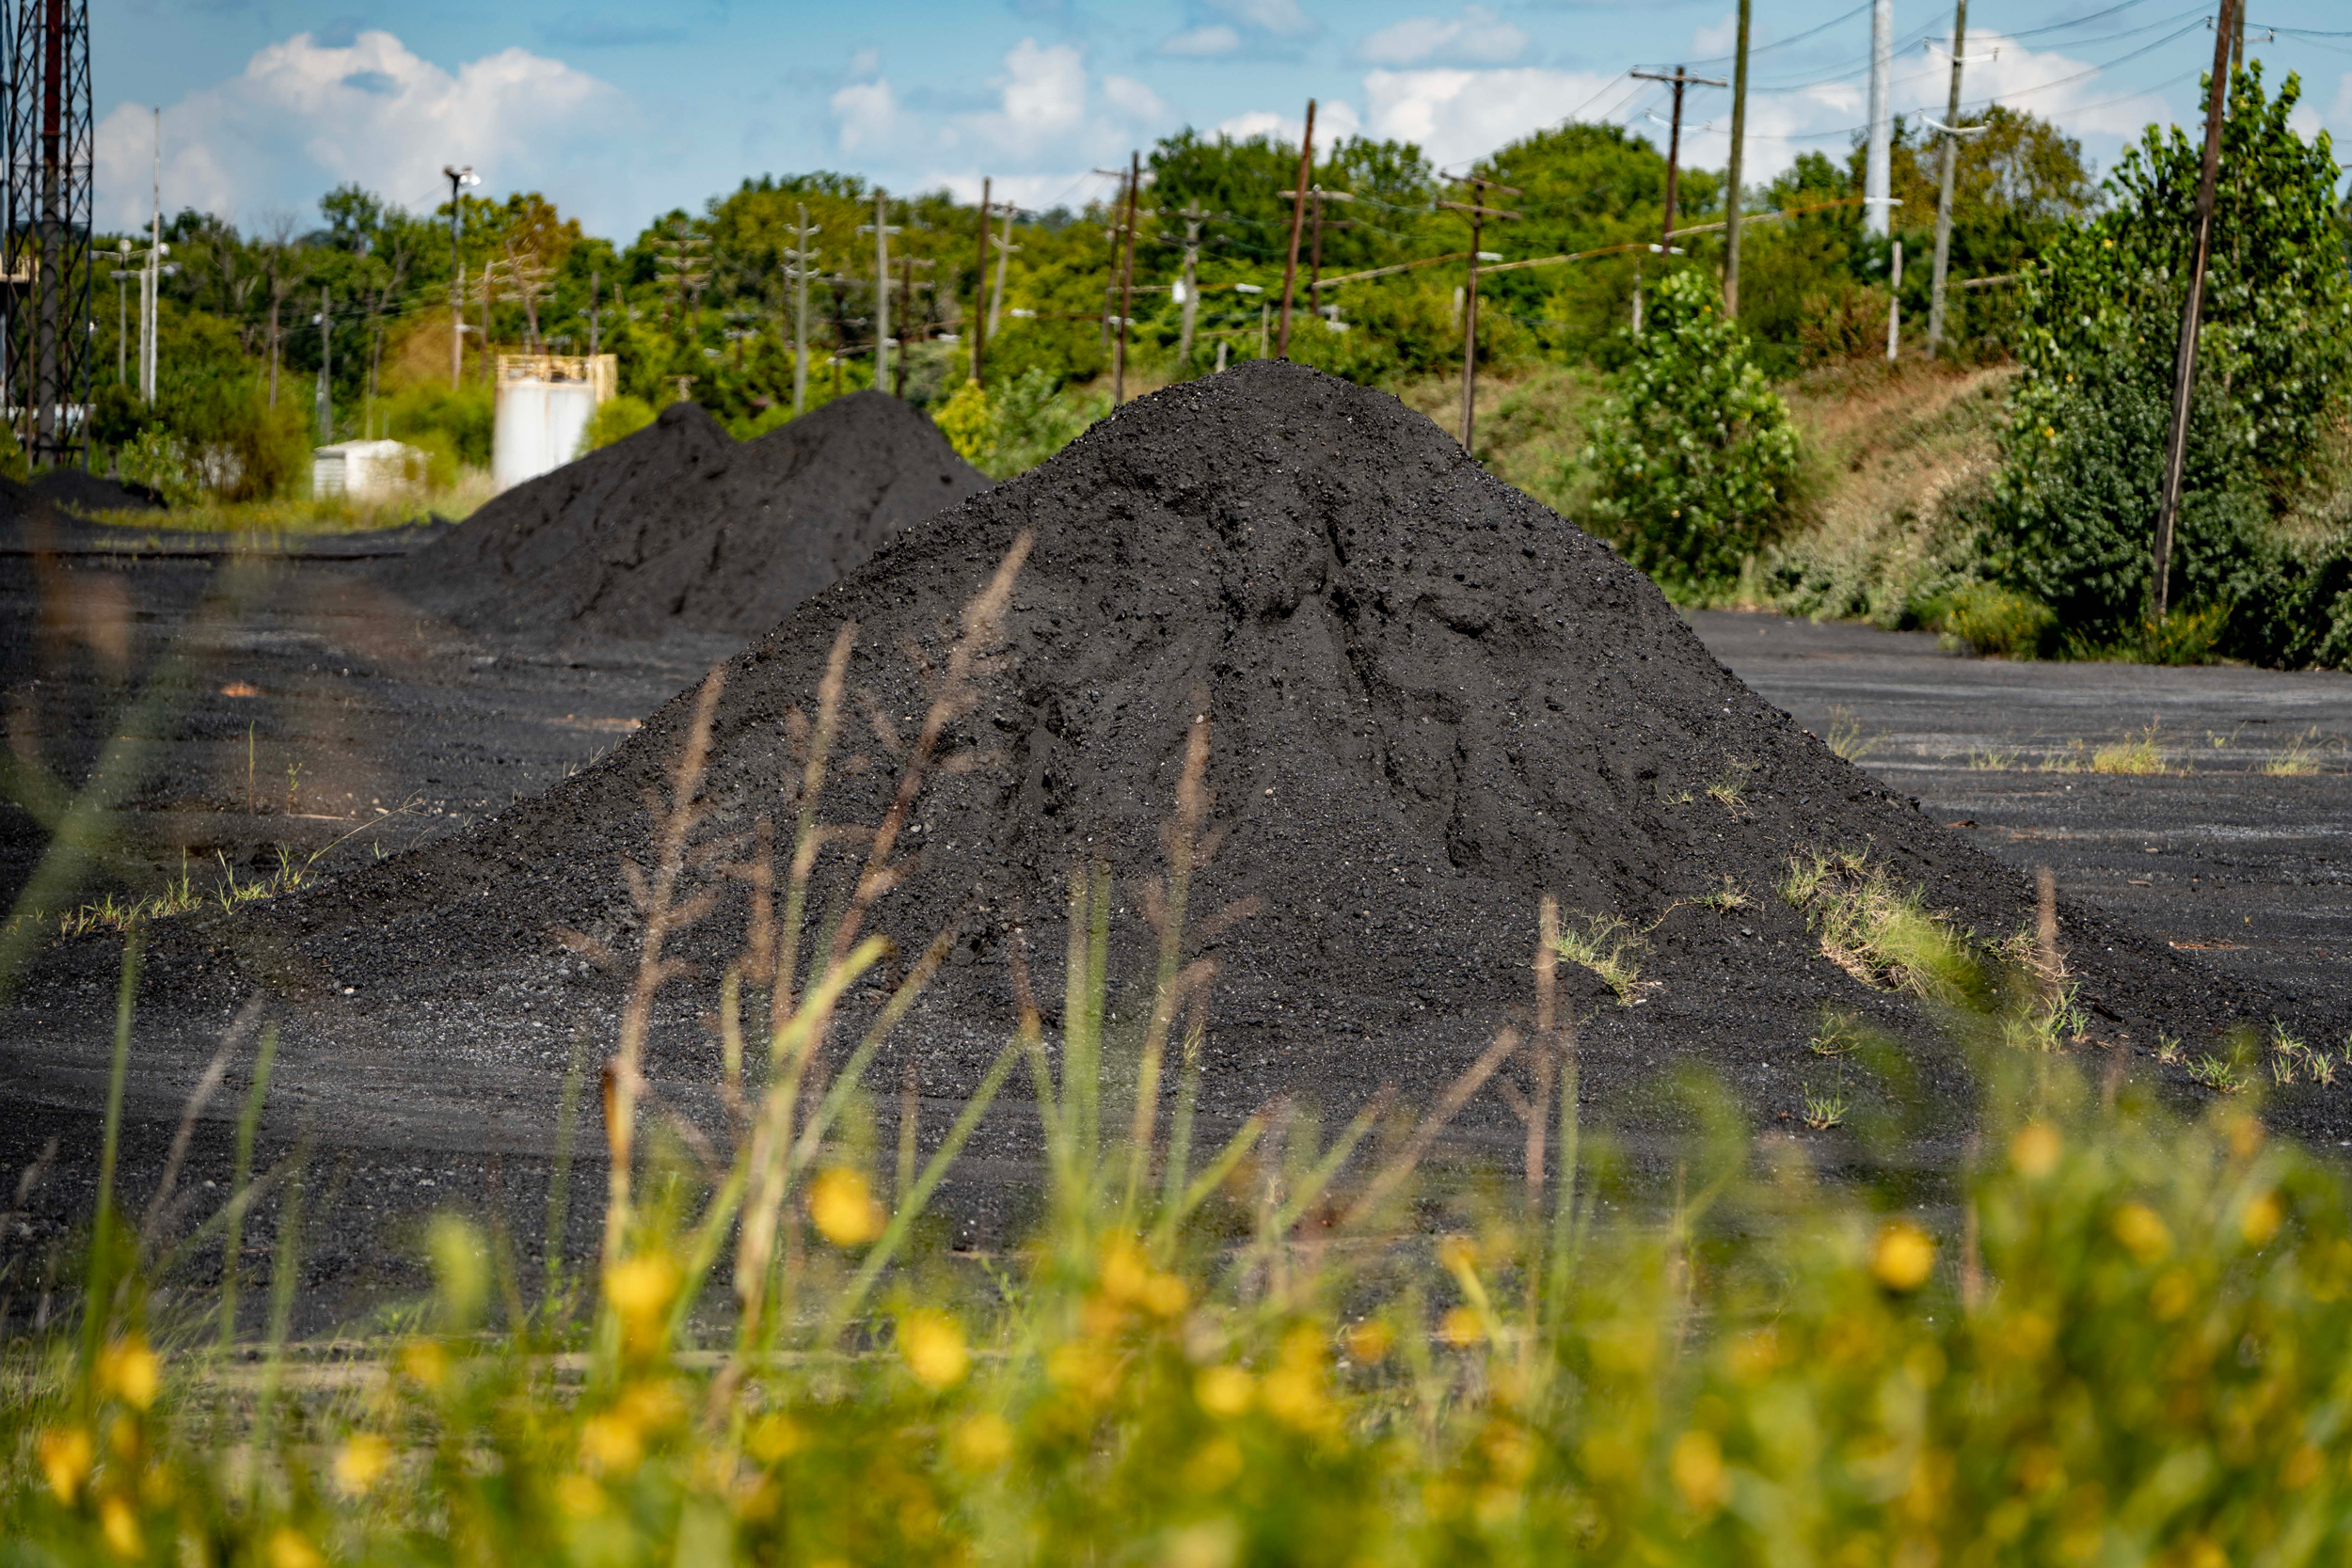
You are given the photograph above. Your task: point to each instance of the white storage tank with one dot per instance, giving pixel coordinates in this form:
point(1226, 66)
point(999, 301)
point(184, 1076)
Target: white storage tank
point(544, 403)
point(367, 470)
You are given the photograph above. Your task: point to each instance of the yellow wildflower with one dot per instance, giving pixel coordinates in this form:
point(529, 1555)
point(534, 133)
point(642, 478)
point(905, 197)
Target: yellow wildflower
point(361, 1463)
point(1904, 1255)
point(291, 1548)
point(65, 1457)
point(1697, 1466)
point(982, 1442)
point(128, 1369)
point(932, 1344)
point(1224, 1390)
point(118, 1526)
point(2035, 1150)
point(842, 1205)
point(2141, 1232)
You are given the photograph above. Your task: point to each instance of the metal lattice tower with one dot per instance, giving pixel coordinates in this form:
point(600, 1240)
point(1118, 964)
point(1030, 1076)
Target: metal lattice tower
point(45, 267)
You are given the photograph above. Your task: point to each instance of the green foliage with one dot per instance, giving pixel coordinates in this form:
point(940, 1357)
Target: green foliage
point(462, 417)
point(1694, 451)
point(1028, 421)
point(160, 460)
point(964, 419)
point(2070, 518)
point(616, 417)
point(1996, 621)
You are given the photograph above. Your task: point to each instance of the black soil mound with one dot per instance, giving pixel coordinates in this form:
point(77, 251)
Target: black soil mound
point(681, 528)
point(1433, 702)
point(78, 491)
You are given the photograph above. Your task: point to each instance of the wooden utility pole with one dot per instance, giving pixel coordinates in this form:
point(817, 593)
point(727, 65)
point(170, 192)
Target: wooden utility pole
point(1193, 216)
point(1680, 79)
point(1298, 219)
point(1126, 281)
point(979, 288)
point(797, 260)
point(1731, 176)
point(326, 367)
point(881, 229)
point(1479, 212)
point(1316, 223)
point(2184, 363)
point(1944, 195)
point(1005, 247)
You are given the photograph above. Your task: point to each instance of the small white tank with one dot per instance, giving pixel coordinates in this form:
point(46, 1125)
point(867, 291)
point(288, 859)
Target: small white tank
point(541, 424)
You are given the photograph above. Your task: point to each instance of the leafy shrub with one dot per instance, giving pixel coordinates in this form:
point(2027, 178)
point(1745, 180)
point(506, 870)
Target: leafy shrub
point(1994, 621)
point(1029, 421)
point(1846, 322)
point(2069, 519)
point(160, 460)
point(620, 417)
point(467, 415)
point(1694, 451)
point(964, 419)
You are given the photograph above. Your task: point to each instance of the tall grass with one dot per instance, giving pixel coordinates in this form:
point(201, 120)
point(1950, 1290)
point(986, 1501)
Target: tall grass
point(2113, 1335)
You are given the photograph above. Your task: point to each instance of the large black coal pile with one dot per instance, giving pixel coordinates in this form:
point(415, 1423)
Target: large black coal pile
point(681, 528)
point(1433, 702)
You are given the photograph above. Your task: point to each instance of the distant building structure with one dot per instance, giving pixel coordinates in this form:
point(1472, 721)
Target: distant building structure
point(367, 470)
point(544, 403)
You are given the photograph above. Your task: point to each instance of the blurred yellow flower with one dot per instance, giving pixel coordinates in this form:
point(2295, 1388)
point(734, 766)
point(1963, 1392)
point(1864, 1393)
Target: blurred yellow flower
point(290, 1549)
point(580, 1497)
point(2172, 1295)
point(1166, 1295)
point(426, 1362)
point(843, 1207)
point(1904, 1255)
point(1294, 1396)
point(67, 1454)
point(1697, 1466)
point(122, 1436)
point(118, 1526)
point(981, 1442)
point(932, 1344)
point(776, 1437)
point(128, 1369)
point(1223, 1391)
point(1460, 1327)
point(641, 1290)
point(1215, 1467)
point(2035, 1150)
point(2245, 1133)
point(1368, 1342)
point(612, 1443)
point(1211, 1543)
point(1457, 1252)
point(2260, 1222)
point(2141, 1232)
point(361, 1463)
point(1126, 1275)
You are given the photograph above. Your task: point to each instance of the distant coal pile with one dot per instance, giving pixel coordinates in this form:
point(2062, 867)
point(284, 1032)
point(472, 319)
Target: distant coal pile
point(78, 491)
point(681, 528)
point(1433, 702)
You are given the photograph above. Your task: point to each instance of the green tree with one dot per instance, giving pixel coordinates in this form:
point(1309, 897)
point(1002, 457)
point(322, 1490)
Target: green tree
point(2071, 513)
point(1694, 453)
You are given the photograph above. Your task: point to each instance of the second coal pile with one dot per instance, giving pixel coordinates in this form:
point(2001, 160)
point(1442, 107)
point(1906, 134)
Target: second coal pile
point(680, 527)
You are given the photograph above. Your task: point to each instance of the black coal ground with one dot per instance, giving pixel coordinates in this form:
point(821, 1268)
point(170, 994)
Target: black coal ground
point(679, 527)
point(1432, 703)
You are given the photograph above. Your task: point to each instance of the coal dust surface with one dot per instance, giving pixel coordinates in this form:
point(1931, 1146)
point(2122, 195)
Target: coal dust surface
point(1430, 701)
point(681, 528)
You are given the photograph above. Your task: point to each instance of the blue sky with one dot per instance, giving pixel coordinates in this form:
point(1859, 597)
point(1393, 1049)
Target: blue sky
point(619, 113)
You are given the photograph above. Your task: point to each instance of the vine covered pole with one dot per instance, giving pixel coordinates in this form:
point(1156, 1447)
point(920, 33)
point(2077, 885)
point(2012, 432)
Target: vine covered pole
point(1299, 220)
point(1731, 175)
point(2184, 363)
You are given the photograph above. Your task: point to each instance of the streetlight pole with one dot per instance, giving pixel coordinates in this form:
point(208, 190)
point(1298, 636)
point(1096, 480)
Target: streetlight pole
point(459, 178)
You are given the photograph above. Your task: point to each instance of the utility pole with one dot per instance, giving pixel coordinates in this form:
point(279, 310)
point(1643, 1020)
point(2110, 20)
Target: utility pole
point(1316, 224)
point(1126, 281)
point(1192, 215)
point(881, 229)
point(1479, 212)
point(326, 367)
point(122, 276)
point(1298, 219)
point(797, 262)
point(459, 178)
point(1680, 79)
point(2185, 364)
point(596, 315)
point(1951, 131)
point(1877, 196)
point(1731, 176)
point(980, 289)
point(1895, 303)
point(1005, 247)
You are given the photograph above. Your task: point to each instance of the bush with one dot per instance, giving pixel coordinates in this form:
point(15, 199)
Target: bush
point(467, 416)
point(1694, 451)
point(1993, 620)
point(964, 419)
point(1029, 421)
point(621, 416)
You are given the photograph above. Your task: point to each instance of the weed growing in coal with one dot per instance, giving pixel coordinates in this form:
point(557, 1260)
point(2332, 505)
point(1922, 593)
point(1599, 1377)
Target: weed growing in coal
point(2299, 760)
point(2137, 754)
point(1611, 949)
point(1990, 760)
point(1845, 738)
point(1730, 792)
point(2218, 1075)
point(1725, 898)
point(1824, 1111)
point(1840, 1031)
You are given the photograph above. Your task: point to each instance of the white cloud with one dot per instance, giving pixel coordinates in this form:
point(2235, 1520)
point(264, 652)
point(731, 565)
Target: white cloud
point(1719, 39)
point(1477, 37)
point(865, 115)
point(1281, 18)
point(1203, 42)
point(1136, 100)
point(1335, 121)
point(1043, 93)
point(303, 116)
point(1457, 115)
